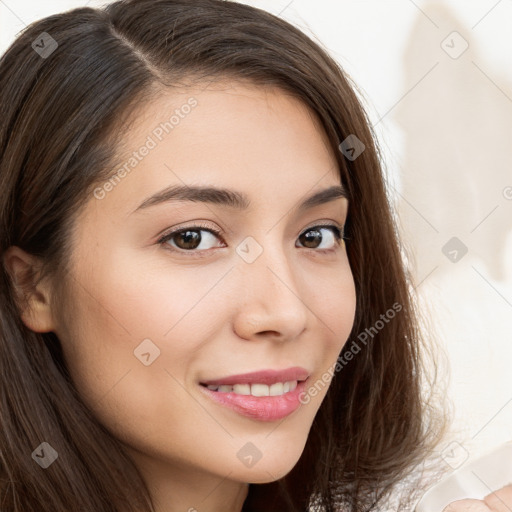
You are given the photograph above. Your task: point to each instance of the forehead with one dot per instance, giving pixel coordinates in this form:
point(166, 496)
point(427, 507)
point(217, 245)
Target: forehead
point(229, 115)
point(233, 135)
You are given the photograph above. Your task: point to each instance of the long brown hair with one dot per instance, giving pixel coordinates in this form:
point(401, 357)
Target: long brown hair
point(62, 118)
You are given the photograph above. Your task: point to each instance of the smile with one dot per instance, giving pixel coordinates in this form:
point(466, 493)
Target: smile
point(277, 389)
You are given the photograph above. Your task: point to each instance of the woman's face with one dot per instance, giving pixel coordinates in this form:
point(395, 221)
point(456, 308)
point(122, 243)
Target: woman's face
point(147, 321)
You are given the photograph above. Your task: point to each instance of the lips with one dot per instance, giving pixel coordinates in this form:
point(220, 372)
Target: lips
point(261, 408)
point(267, 395)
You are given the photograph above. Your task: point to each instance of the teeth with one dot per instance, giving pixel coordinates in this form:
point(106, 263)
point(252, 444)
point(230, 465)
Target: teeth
point(259, 390)
point(242, 389)
point(277, 389)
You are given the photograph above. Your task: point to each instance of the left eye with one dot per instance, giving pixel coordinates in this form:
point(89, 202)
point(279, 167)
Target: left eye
point(312, 235)
point(189, 239)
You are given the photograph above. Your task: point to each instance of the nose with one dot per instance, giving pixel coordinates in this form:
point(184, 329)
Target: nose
point(271, 297)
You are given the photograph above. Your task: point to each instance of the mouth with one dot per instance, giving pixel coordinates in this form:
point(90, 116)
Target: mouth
point(266, 395)
point(256, 389)
point(260, 383)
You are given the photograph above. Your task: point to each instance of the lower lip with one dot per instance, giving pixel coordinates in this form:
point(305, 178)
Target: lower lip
point(263, 408)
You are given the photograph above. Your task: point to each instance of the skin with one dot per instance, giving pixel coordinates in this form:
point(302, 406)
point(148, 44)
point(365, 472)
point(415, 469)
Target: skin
point(212, 316)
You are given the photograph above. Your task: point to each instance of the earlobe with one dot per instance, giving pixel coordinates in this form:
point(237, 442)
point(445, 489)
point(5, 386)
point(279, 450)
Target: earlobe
point(33, 297)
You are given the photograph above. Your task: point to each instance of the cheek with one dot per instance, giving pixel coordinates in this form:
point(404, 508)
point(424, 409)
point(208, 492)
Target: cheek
point(334, 309)
point(127, 333)
point(332, 301)
point(128, 372)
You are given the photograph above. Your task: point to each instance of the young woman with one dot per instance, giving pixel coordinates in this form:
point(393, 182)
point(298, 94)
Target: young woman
point(203, 301)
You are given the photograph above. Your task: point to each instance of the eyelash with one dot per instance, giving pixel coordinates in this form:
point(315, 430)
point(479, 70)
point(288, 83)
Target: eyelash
point(338, 233)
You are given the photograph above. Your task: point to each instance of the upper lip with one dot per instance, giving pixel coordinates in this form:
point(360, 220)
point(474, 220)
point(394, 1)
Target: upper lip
point(261, 377)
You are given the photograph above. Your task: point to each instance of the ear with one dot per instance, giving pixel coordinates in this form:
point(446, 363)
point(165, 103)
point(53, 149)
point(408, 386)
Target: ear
point(32, 297)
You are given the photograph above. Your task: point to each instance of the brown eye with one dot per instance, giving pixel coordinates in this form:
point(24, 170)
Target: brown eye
point(190, 239)
point(313, 237)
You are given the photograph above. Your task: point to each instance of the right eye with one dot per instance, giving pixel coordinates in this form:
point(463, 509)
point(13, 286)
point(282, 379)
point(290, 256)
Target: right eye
point(188, 239)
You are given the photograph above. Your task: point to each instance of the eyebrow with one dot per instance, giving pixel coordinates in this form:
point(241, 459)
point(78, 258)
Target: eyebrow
point(232, 198)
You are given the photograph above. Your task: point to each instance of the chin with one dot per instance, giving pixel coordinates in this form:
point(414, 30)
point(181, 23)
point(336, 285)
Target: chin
point(270, 470)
